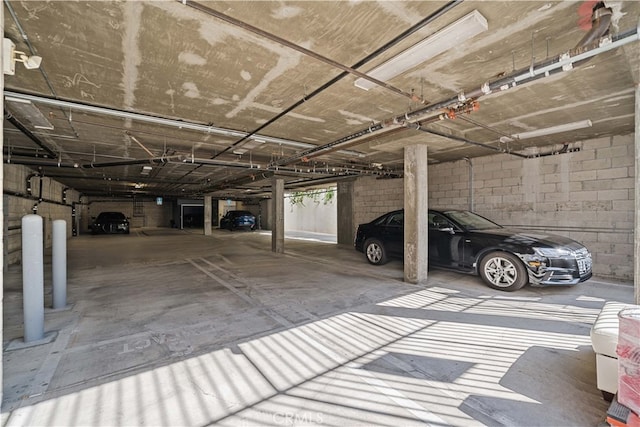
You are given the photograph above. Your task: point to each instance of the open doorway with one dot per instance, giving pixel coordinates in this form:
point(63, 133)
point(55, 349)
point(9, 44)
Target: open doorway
point(311, 214)
point(191, 216)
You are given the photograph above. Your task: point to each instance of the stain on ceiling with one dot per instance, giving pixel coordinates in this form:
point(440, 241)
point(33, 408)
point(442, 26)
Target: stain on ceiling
point(182, 98)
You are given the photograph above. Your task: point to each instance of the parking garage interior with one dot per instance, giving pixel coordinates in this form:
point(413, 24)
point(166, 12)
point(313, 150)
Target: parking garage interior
point(315, 117)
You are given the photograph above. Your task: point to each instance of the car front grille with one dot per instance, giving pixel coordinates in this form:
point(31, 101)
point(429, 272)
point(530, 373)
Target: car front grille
point(583, 258)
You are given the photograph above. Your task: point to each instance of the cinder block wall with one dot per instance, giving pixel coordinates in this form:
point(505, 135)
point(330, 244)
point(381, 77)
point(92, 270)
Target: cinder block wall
point(150, 214)
point(19, 200)
point(587, 195)
point(374, 197)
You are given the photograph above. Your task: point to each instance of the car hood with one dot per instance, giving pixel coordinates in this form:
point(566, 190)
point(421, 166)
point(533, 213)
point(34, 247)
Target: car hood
point(526, 237)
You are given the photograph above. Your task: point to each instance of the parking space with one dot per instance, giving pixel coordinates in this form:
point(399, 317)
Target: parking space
point(175, 328)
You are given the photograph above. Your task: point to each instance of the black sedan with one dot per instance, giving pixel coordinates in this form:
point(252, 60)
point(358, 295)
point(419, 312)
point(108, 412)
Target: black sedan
point(506, 259)
point(110, 222)
point(235, 220)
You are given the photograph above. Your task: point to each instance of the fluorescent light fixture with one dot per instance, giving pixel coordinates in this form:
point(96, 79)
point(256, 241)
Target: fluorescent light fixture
point(549, 131)
point(22, 108)
point(453, 35)
point(147, 168)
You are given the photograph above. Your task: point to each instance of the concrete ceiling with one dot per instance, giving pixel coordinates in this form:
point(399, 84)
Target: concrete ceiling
point(217, 96)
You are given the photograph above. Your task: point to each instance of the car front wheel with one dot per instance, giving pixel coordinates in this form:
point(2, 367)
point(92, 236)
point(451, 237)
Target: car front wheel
point(503, 271)
point(375, 252)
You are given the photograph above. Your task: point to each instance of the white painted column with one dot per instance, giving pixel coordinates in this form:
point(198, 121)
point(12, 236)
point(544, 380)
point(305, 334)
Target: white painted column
point(416, 210)
point(32, 278)
point(277, 215)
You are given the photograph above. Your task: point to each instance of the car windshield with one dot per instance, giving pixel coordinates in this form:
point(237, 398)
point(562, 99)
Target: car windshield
point(471, 221)
point(111, 215)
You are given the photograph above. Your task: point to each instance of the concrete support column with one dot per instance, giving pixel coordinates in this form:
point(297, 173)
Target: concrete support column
point(2, 212)
point(416, 209)
point(346, 226)
point(208, 209)
point(277, 215)
point(636, 251)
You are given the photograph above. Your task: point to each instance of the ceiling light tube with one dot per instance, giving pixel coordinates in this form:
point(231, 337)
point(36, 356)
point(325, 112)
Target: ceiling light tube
point(180, 124)
point(22, 108)
point(453, 35)
point(554, 129)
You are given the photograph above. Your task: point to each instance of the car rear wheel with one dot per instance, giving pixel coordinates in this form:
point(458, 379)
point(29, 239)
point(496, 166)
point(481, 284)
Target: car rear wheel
point(503, 271)
point(375, 252)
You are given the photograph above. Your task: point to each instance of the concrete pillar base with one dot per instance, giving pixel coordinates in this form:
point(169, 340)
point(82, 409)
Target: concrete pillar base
point(19, 344)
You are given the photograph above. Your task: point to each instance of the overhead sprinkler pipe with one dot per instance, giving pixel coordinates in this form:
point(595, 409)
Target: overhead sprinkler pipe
point(224, 163)
point(153, 160)
point(30, 135)
point(591, 45)
point(28, 182)
point(235, 22)
point(427, 20)
point(460, 139)
point(38, 161)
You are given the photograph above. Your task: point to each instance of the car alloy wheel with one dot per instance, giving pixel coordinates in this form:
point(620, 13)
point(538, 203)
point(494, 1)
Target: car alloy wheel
point(375, 252)
point(504, 271)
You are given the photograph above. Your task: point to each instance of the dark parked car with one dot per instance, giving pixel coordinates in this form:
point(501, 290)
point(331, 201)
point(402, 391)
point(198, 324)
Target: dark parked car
point(506, 259)
point(235, 220)
point(110, 222)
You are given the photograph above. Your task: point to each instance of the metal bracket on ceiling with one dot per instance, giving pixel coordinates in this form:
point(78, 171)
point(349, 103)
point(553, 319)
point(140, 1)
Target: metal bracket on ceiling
point(566, 57)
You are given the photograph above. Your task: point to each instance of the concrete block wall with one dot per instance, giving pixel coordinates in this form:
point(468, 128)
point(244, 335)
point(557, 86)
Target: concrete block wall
point(153, 215)
point(374, 197)
point(19, 201)
point(587, 195)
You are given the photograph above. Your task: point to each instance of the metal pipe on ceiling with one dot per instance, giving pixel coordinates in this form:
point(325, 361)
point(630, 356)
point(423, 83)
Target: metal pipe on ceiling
point(180, 124)
point(39, 161)
point(317, 181)
point(235, 22)
point(30, 135)
point(141, 179)
point(334, 170)
point(152, 160)
point(402, 36)
point(33, 51)
point(460, 139)
point(523, 76)
point(223, 163)
point(436, 14)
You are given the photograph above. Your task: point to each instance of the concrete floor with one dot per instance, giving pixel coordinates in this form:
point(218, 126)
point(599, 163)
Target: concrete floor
point(171, 327)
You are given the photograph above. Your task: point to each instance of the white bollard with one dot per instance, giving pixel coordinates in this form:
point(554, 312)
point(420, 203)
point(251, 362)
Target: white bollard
point(33, 278)
point(59, 263)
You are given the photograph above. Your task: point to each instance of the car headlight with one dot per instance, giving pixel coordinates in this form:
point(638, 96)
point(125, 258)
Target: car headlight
point(553, 252)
